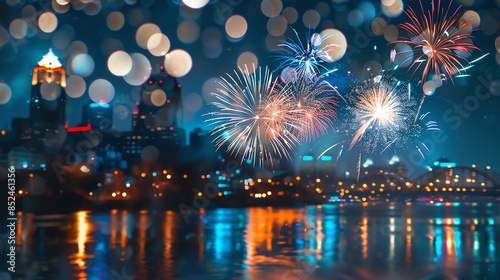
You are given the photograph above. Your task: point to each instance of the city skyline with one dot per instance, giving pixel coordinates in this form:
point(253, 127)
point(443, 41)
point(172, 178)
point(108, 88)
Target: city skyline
point(463, 117)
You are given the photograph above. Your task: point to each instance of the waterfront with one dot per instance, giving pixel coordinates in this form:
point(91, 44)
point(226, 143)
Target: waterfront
point(336, 241)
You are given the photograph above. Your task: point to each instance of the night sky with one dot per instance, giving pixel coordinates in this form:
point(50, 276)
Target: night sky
point(88, 32)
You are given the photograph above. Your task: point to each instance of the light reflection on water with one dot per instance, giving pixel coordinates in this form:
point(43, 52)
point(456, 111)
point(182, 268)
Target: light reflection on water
point(318, 242)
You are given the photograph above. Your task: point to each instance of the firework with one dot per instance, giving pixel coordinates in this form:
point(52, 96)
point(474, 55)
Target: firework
point(304, 59)
point(315, 106)
point(254, 117)
point(438, 44)
point(412, 132)
point(379, 110)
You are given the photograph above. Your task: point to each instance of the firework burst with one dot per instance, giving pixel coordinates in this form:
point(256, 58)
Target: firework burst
point(305, 59)
point(379, 109)
point(254, 118)
point(315, 106)
point(437, 43)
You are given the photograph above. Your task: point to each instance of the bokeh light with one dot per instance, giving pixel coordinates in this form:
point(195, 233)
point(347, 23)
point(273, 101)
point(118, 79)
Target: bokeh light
point(323, 8)
point(311, 19)
point(4, 36)
point(429, 88)
point(47, 22)
point(248, 59)
point(273, 42)
point(271, 8)
point(334, 37)
point(355, 18)
point(391, 33)
point(63, 37)
point(236, 26)
point(188, 31)
point(141, 70)
point(158, 97)
point(121, 112)
point(115, 20)
point(392, 8)
point(209, 87)
point(472, 18)
point(5, 93)
point(378, 26)
point(158, 44)
point(18, 28)
point(101, 90)
point(60, 9)
point(193, 102)
point(497, 44)
point(76, 47)
point(291, 15)
point(75, 86)
point(276, 26)
point(469, 21)
point(82, 64)
point(119, 63)
point(150, 153)
point(144, 32)
point(50, 91)
point(195, 4)
point(368, 10)
point(63, 2)
point(92, 8)
point(178, 63)
point(189, 13)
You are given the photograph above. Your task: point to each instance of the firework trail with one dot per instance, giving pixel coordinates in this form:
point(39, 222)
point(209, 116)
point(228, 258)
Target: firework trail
point(315, 106)
point(304, 60)
point(254, 117)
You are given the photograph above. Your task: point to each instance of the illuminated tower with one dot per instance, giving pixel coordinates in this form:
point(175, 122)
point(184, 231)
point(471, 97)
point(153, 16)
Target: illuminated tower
point(47, 103)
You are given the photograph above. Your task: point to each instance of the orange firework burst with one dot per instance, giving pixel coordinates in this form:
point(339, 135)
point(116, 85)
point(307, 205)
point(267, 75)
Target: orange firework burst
point(436, 41)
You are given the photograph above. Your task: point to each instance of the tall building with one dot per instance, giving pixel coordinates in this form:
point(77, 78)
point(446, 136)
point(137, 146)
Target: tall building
point(43, 132)
point(48, 104)
point(98, 115)
point(47, 113)
point(160, 106)
point(157, 120)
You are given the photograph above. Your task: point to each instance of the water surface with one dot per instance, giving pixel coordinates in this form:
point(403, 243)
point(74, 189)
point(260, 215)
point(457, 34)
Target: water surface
point(342, 241)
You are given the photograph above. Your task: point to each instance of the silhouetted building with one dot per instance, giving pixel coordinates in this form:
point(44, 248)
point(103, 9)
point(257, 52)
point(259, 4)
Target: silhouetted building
point(160, 106)
point(199, 139)
point(98, 115)
point(156, 121)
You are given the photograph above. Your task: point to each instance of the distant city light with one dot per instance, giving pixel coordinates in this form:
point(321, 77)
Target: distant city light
point(101, 105)
point(307, 158)
point(326, 158)
point(84, 169)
